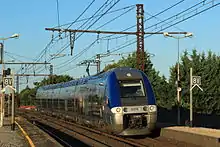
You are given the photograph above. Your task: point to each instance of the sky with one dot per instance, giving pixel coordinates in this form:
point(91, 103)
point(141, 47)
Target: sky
point(30, 18)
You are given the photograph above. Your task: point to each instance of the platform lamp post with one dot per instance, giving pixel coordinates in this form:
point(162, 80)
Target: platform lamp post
point(178, 89)
point(2, 62)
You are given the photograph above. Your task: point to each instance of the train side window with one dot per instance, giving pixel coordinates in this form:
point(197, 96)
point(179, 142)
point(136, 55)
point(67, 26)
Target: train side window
point(106, 99)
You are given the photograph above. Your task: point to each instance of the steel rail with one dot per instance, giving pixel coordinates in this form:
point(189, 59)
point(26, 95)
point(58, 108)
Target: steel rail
point(72, 127)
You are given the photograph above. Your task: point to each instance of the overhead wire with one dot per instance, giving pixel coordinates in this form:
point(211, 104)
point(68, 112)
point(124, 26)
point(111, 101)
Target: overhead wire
point(67, 44)
point(162, 20)
point(12, 57)
point(176, 22)
point(159, 13)
point(44, 50)
point(173, 16)
point(126, 45)
point(95, 20)
point(135, 25)
point(114, 18)
point(87, 19)
point(87, 48)
point(146, 19)
point(110, 12)
point(169, 26)
point(81, 14)
point(18, 55)
point(68, 27)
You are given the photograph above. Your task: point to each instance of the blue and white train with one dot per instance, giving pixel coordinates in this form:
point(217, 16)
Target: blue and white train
point(120, 100)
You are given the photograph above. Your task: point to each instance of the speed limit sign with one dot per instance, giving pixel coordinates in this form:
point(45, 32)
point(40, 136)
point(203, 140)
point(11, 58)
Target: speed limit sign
point(196, 80)
point(8, 81)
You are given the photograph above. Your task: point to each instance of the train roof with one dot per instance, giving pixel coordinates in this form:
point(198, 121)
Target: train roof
point(85, 79)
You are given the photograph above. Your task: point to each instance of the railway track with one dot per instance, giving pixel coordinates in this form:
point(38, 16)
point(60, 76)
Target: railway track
point(93, 137)
point(37, 136)
point(87, 135)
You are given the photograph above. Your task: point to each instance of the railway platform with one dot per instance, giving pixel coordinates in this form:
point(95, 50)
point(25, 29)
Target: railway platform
point(24, 135)
point(204, 137)
point(11, 138)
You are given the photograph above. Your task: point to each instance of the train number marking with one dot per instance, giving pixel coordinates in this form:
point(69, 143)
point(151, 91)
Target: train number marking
point(134, 109)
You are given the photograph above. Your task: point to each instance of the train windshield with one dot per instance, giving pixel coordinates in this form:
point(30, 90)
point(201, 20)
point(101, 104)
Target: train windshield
point(131, 89)
point(132, 93)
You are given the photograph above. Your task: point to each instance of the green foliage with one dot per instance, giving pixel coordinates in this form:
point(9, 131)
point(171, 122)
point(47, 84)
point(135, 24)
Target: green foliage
point(53, 80)
point(208, 67)
point(27, 96)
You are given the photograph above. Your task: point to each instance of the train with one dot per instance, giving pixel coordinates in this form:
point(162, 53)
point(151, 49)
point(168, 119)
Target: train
point(120, 101)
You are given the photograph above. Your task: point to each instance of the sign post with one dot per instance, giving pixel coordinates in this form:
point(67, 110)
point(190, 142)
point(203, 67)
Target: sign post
point(2, 107)
point(8, 83)
point(13, 104)
point(194, 81)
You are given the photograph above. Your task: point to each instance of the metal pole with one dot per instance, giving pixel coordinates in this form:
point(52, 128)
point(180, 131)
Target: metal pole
point(98, 57)
point(17, 91)
point(2, 96)
point(178, 79)
point(9, 97)
point(191, 101)
point(13, 105)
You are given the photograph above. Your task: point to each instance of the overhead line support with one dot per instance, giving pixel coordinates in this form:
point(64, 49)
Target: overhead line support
point(139, 33)
point(140, 37)
point(35, 75)
point(108, 32)
point(27, 63)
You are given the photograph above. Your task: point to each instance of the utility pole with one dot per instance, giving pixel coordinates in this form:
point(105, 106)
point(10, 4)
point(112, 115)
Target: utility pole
point(51, 73)
point(8, 82)
point(2, 94)
point(8, 102)
point(139, 33)
point(178, 88)
point(13, 104)
point(98, 57)
point(2, 62)
point(194, 81)
point(140, 37)
point(17, 91)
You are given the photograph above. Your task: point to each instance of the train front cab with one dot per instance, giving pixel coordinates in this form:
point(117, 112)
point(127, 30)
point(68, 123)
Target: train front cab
point(132, 102)
point(138, 120)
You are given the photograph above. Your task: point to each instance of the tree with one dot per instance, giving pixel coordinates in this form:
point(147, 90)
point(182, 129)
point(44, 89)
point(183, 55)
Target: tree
point(53, 80)
point(110, 66)
point(209, 70)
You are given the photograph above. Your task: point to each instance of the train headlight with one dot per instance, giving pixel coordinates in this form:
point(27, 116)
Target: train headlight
point(125, 109)
point(118, 110)
point(152, 108)
point(145, 108)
